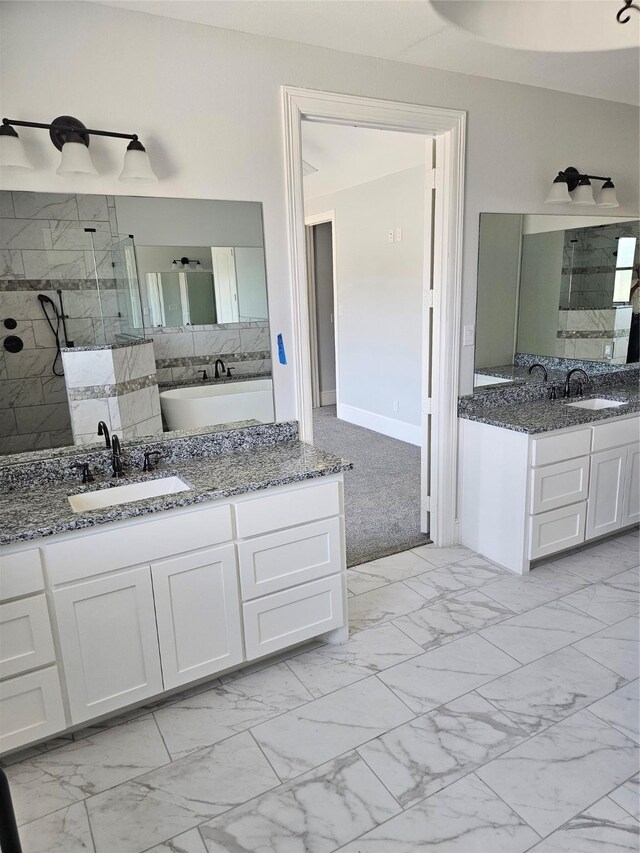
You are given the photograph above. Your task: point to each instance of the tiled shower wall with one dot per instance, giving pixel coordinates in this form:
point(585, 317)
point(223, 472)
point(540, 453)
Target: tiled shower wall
point(183, 351)
point(589, 263)
point(43, 247)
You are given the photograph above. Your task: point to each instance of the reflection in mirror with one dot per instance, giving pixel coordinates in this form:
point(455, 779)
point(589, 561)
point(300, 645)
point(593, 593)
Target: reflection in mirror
point(560, 290)
point(109, 304)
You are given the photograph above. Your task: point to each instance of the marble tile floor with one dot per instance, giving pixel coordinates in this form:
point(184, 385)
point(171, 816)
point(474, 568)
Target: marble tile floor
point(471, 711)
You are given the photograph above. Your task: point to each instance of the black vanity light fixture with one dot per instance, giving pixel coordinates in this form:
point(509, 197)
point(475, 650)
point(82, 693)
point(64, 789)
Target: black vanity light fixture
point(573, 187)
point(181, 263)
point(71, 138)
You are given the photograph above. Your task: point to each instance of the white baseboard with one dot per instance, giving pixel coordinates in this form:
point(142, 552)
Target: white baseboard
point(380, 423)
point(327, 398)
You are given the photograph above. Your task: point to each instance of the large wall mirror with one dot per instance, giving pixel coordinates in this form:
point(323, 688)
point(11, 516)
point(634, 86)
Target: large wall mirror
point(561, 288)
point(82, 273)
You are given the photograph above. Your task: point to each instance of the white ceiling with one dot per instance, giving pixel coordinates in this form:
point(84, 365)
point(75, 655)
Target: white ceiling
point(412, 31)
point(346, 156)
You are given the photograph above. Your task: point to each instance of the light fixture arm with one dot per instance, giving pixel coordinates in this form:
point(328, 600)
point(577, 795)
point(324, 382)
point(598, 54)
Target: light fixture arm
point(68, 124)
point(573, 177)
point(628, 4)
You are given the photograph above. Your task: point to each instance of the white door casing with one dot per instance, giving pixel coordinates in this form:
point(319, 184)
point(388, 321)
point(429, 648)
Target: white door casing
point(448, 128)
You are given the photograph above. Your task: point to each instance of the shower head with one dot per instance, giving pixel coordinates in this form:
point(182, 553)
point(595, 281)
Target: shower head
point(44, 299)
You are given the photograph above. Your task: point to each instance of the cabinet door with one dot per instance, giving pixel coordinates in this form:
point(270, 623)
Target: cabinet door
point(198, 610)
point(30, 708)
point(631, 502)
point(109, 642)
point(556, 530)
point(604, 513)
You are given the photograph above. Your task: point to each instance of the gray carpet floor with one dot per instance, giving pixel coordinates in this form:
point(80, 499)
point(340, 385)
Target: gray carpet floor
point(382, 493)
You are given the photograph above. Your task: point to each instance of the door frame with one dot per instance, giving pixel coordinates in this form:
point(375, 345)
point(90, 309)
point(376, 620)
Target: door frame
point(448, 127)
point(309, 221)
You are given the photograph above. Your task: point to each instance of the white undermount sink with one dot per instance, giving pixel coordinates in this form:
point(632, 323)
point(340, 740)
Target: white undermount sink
point(126, 494)
point(596, 403)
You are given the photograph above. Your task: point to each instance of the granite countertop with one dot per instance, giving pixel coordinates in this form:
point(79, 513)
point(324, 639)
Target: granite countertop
point(543, 415)
point(36, 511)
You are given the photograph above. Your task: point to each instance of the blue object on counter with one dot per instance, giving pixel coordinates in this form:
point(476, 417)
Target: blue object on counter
point(282, 356)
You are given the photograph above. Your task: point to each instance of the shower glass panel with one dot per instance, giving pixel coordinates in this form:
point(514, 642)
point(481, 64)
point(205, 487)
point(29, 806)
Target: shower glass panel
point(113, 268)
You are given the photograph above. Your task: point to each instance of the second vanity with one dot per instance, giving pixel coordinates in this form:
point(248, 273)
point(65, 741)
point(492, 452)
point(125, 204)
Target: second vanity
point(105, 609)
point(542, 476)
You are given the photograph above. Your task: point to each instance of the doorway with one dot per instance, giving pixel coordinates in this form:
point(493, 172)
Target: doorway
point(365, 298)
point(442, 304)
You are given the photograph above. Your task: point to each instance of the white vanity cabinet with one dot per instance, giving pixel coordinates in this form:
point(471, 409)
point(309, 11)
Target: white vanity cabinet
point(524, 498)
point(146, 605)
point(31, 704)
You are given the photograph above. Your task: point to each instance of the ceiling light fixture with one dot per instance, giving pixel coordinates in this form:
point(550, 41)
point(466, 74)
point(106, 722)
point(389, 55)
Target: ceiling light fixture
point(71, 138)
point(572, 187)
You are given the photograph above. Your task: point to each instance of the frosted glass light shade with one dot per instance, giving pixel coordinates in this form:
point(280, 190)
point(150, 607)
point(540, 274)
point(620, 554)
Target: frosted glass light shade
point(559, 193)
point(12, 154)
point(607, 197)
point(75, 160)
point(137, 168)
point(583, 194)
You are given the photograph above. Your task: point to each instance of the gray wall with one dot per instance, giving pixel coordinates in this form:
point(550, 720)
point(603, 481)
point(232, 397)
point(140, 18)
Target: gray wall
point(190, 222)
point(323, 260)
point(540, 292)
point(207, 104)
point(379, 287)
point(498, 279)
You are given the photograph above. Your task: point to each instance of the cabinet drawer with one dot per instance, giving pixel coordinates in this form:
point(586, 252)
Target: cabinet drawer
point(556, 530)
point(556, 448)
point(20, 573)
point(286, 509)
point(291, 616)
point(25, 635)
point(564, 483)
point(615, 433)
point(30, 708)
point(141, 542)
point(290, 557)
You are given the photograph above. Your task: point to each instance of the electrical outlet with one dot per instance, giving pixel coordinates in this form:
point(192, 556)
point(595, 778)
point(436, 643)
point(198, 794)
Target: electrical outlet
point(390, 235)
point(468, 336)
point(398, 235)
point(396, 405)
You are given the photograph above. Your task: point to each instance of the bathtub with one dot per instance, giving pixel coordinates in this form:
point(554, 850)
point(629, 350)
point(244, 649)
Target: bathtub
point(206, 405)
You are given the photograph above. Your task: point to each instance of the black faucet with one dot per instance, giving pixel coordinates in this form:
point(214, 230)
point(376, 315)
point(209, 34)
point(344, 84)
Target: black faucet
point(116, 460)
point(87, 476)
point(219, 364)
point(567, 382)
point(103, 430)
point(545, 375)
point(205, 375)
point(147, 464)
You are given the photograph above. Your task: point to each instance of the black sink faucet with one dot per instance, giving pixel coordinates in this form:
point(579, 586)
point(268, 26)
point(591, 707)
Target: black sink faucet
point(205, 375)
point(104, 430)
point(87, 476)
point(147, 464)
point(219, 365)
point(545, 375)
point(567, 381)
point(116, 459)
